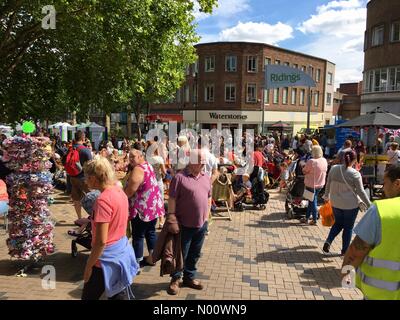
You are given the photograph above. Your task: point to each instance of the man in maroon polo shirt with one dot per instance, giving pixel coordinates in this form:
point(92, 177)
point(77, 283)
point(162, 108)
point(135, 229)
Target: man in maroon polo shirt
point(190, 201)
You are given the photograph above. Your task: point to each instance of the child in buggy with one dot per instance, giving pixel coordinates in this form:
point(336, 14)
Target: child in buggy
point(295, 205)
point(241, 191)
point(83, 236)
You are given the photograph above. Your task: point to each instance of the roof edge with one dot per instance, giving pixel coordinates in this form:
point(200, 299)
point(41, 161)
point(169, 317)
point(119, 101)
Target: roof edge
point(265, 45)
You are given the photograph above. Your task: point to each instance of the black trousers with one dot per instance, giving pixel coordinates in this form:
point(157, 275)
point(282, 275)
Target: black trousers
point(94, 288)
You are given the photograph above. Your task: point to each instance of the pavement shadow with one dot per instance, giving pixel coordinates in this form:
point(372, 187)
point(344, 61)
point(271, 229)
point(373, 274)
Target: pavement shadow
point(328, 278)
point(293, 255)
point(143, 291)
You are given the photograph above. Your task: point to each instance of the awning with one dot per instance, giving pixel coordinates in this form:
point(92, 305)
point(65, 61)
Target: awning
point(165, 117)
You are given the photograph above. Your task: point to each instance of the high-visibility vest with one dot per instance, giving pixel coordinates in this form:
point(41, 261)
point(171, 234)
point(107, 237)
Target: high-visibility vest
point(378, 277)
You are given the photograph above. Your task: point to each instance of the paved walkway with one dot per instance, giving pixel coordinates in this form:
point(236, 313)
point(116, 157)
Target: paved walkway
point(259, 255)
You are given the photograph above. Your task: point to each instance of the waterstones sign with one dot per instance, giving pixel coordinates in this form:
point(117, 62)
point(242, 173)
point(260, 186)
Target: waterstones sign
point(218, 116)
point(277, 76)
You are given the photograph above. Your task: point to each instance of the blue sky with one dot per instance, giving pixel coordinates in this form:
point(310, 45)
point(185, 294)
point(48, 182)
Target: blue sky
point(330, 29)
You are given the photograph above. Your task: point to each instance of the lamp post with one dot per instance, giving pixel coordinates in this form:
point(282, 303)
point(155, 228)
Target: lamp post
point(195, 98)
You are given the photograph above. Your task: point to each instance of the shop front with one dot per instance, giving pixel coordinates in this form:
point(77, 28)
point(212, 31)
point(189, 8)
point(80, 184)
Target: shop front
point(215, 119)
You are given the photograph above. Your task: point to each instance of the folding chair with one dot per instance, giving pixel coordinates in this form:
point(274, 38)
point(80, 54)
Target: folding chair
point(222, 193)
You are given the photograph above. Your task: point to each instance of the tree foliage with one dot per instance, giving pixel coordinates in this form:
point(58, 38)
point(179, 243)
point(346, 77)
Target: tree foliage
point(103, 54)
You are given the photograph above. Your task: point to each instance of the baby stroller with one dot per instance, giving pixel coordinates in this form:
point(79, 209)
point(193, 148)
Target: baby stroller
point(242, 192)
point(295, 205)
point(84, 237)
point(259, 194)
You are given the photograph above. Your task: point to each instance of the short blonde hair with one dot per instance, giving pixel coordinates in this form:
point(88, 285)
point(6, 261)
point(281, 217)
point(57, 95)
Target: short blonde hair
point(102, 169)
point(316, 152)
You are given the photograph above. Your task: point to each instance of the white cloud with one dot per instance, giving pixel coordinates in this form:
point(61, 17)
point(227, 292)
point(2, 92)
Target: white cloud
point(225, 9)
point(339, 28)
point(257, 32)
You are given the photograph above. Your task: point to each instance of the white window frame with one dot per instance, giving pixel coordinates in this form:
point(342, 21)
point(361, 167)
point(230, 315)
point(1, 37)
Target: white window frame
point(207, 95)
point(229, 65)
point(209, 64)
point(232, 97)
point(328, 98)
point(302, 97)
point(285, 95)
point(392, 31)
point(267, 59)
point(253, 67)
point(330, 78)
point(266, 97)
point(318, 75)
point(316, 99)
point(254, 98)
point(275, 97)
point(293, 95)
point(378, 35)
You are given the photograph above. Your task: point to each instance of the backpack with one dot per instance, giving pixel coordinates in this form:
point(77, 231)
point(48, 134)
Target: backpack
point(72, 162)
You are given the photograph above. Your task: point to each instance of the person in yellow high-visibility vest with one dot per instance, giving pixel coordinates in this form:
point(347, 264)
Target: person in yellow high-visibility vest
point(375, 251)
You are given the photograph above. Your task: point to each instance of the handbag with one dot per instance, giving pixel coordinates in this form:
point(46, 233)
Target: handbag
point(309, 193)
point(361, 205)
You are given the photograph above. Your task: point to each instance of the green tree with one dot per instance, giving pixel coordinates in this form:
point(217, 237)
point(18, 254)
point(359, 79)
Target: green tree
point(104, 54)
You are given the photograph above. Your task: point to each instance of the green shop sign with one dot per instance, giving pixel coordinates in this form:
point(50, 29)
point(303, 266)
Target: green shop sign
point(277, 76)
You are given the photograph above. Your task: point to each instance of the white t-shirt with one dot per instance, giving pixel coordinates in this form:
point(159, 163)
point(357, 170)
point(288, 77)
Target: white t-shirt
point(211, 162)
point(394, 156)
point(157, 162)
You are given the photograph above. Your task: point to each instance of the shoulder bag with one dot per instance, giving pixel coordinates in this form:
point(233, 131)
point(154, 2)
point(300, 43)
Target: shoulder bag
point(361, 205)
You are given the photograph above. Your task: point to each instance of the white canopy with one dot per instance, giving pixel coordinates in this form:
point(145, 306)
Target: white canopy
point(95, 127)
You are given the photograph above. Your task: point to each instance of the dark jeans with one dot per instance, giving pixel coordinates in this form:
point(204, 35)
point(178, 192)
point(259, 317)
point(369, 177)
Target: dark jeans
point(192, 240)
point(140, 231)
point(344, 220)
point(94, 288)
point(312, 208)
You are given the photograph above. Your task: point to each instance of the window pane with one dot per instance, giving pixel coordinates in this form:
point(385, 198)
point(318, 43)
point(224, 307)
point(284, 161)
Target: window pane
point(316, 99)
point(277, 61)
point(377, 80)
point(396, 31)
point(294, 96)
point(328, 99)
point(398, 79)
point(266, 96)
point(276, 96)
point(285, 95)
point(302, 94)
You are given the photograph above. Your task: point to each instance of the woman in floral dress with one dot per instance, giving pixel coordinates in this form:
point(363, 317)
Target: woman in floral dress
point(146, 205)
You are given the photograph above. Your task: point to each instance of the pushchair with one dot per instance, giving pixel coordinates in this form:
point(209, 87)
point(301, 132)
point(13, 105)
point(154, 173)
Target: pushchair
point(259, 195)
point(295, 204)
point(84, 237)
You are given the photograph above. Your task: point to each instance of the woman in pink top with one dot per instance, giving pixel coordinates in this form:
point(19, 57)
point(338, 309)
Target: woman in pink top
point(110, 219)
point(314, 180)
point(146, 205)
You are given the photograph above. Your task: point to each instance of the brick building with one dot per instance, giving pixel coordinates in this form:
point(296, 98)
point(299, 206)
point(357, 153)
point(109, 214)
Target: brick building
point(350, 100)
point(225, 89)
point(382, 58)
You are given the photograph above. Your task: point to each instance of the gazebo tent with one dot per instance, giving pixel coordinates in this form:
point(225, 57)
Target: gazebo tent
point(96, 133)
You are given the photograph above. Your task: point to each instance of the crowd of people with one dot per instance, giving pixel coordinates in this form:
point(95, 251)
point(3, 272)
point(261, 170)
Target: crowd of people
point(139, 186)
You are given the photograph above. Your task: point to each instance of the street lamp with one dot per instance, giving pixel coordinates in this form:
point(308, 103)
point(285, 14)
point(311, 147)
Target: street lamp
point(195, 97)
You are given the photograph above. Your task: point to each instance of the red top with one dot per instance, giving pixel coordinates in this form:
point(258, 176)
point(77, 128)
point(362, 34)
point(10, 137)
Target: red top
point(258, 159)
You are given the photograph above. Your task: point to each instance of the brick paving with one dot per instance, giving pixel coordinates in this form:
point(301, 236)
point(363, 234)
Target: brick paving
point(259, 255)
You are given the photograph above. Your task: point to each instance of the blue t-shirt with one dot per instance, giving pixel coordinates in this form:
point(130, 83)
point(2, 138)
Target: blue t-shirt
point(84, 156)
point(369, 229)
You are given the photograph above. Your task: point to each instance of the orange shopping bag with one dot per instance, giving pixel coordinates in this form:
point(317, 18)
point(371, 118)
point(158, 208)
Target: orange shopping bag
point(327, 216)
